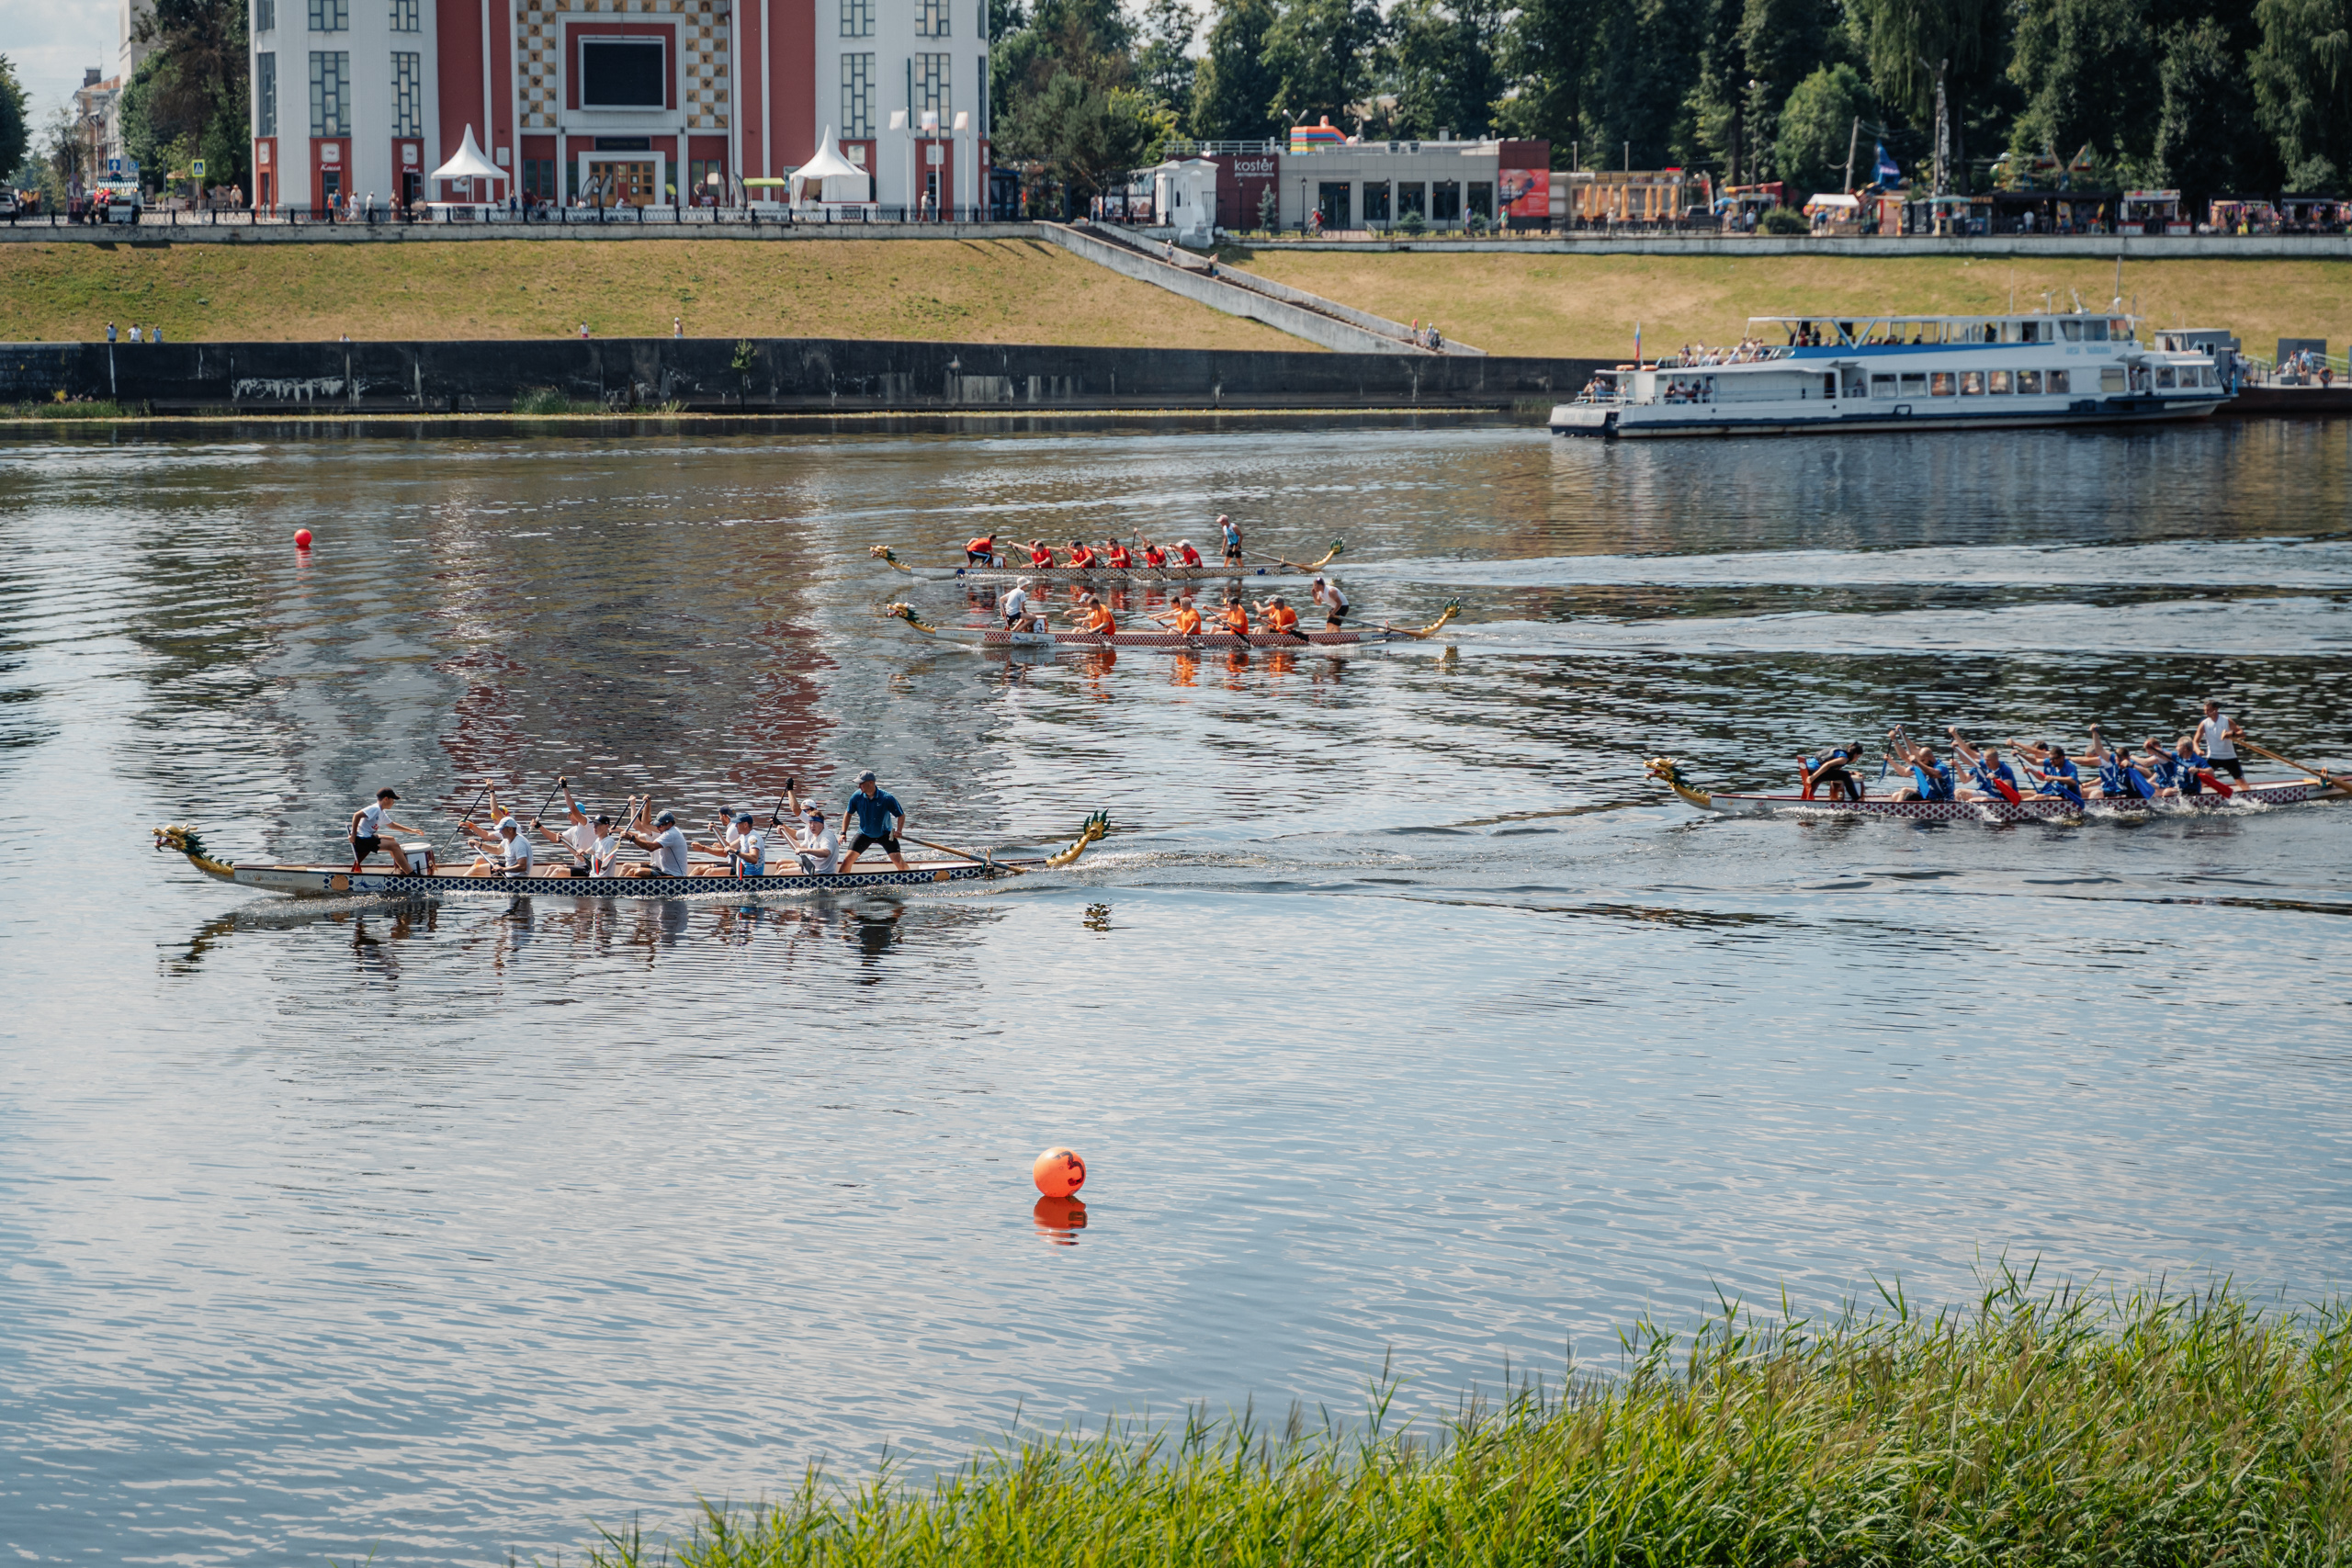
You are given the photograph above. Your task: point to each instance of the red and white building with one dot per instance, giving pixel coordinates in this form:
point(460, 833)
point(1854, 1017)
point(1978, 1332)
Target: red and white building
point(648, 98)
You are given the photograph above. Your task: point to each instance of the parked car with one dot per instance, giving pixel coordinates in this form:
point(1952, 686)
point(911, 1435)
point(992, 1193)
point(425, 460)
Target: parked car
point(10, 206)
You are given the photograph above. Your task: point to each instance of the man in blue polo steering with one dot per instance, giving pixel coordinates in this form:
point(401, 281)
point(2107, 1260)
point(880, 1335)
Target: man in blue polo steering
point(878, 818)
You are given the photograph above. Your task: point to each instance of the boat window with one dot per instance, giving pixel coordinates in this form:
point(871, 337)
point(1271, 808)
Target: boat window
point(1915, 386)
point(2111, 377)
point(1940, 383)
point(2030, 383)
point(1882, 386)
point(2032, 332)
point(1996, 381)
point(2073, 330)
point(2163, 376)
point(1972, 383)
point(2118, 330)
point(2054, 382)
point(2095, 332)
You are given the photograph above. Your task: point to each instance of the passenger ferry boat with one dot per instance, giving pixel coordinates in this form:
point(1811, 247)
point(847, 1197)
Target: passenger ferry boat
point(1795, 373)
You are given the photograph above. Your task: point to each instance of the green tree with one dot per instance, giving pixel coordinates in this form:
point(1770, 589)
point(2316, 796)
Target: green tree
point(1165, 66)
point(1322, 53)
point(1547, 55)
point(2201, 147)
point(1445, 61)
point(1909, 45)
point(1086, 136)
point(1233, 94)
point(16, 129)
point(1642, 58)
point(190, 96)
point(1087, 40)
point(1816, 130)
point(2302, 88)
point(2087, 69)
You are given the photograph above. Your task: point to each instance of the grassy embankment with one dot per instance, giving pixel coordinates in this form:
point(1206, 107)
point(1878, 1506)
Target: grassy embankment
point(2030, 1430)
point(1586, 306)
point(946, 291)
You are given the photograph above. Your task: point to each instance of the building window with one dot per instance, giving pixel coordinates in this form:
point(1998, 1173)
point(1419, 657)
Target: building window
point(857, 18)
point(1482, 199)
point(408, 94)
point(265, 94)
point(857, 97)
point(1445, 201)
point(981, 119)
point(980, 21)
point(538, 179)
point(931, 18)
point(266, 15)
point(405, 17)
point(623, 73)
point(699, 186)
point(931, 89)
point(330, 90)
point(330, 16)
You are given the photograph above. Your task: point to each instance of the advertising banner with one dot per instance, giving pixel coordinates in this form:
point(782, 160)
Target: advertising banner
point(1526, 193)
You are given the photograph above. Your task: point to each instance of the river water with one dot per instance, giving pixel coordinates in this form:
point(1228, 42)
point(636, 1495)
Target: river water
point(1398, 1015)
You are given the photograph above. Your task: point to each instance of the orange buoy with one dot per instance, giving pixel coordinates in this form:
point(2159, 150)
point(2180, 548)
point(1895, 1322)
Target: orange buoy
point(1058, 1172)
point(301, 538)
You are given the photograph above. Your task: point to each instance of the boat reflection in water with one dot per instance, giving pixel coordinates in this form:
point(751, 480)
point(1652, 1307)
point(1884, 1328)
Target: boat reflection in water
point(1059, 1220)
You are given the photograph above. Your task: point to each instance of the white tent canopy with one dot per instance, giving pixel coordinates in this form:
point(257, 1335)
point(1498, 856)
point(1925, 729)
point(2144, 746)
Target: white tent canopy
point(826, 167)
point(469, 165)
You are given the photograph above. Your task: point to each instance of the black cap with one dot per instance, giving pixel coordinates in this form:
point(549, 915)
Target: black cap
point(387, 794)
point(667, 819)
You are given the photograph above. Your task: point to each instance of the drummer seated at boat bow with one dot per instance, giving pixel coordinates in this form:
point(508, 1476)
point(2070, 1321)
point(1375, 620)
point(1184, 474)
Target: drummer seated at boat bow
point(980, 551)
point(369, 826)
point(1019, 611)
point(1829, 776)
point(666, 844)
point(1930, 779)
point(878, 819)
point(506, 849)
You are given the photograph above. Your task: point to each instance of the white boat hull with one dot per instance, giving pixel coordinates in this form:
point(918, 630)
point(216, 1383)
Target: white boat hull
point(1641, 422)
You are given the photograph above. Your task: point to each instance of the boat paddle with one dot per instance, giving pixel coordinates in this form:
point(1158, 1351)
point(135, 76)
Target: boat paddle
point(2320, 773)
point(542, 811)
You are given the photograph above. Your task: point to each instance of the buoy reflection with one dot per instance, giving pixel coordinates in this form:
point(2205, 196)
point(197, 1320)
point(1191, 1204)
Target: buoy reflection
point(1059, 1220)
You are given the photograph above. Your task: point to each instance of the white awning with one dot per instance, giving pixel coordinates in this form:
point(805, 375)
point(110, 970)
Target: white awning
point(469, 165)
point(1827, 199)
point(827, 164)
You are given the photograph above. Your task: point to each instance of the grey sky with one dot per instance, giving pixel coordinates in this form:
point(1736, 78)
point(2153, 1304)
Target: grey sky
point(51, 40)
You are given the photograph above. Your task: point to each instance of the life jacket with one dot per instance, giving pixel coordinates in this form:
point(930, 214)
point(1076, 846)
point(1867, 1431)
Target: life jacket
point(1191, 555)
point(1998, 780)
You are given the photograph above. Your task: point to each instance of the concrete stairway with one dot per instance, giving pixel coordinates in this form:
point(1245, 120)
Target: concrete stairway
point(1324, 322)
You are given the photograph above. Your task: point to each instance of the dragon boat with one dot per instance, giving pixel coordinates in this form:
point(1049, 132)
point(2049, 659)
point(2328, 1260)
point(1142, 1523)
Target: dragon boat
point(2032, 809)
point(340, 881)
point(1043, 575)
point(1171, 642)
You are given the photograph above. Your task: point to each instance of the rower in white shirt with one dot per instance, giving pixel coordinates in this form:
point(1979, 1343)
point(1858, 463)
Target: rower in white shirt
point(579, 839)
point(506, 851)
point(744, 846)
point(669, 845)
point(816, 844)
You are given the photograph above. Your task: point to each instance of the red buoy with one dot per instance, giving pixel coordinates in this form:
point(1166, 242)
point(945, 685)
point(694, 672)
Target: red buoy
point(1058, 1172)
point(301, 538)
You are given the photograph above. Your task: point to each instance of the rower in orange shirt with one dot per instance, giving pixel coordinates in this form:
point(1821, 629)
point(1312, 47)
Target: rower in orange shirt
point(1276, 617)
point(1184, 550)
point(1153, 554)
point(1115, 556)
point(1094, 617)
point(1235, 618)
point(1182, 618)
point(1081, 558)
point(1040, 555)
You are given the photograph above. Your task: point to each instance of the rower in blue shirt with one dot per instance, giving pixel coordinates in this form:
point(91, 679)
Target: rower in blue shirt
point(1930, 779)
point(2051, 770)
point(878, 818)
point(1995, 780)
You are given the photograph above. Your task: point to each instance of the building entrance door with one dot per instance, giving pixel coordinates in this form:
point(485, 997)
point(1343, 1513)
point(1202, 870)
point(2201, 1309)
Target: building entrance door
point(1333, 201)
point(625, 184)
point(330, 186)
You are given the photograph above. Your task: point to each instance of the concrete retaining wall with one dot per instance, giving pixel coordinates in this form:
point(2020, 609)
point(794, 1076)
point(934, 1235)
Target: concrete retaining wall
point(192, 231)
point(2074, 247)
point(777, 375)
point(1312, 326)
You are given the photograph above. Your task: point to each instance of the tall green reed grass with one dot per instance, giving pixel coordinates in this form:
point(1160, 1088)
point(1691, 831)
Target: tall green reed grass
point(2033, 1426)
